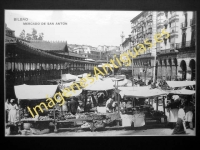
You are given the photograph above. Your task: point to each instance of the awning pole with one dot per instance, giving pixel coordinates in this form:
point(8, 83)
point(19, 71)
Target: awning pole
point(157, 103)
point(85, 100)
point(118, 98)
point(164, 105)
point(19, 126)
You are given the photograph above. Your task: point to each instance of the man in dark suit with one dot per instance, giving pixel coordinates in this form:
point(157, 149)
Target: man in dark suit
point(73, 105)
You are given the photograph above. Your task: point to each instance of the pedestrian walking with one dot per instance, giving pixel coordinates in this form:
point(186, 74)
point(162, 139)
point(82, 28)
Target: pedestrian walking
point(180, 127)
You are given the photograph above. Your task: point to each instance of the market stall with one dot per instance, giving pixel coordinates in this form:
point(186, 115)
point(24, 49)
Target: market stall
point(181, 92)
point(32, 95)
point(180, 97)
point(174, 84)
point(142, 93)
point(111, 84)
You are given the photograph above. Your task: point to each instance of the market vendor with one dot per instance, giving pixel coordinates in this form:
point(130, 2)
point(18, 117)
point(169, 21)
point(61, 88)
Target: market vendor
point(100, 96)
point(109, 103)
point(64, 107)
point(173, 111)
point(123, 106)
point(12, 117)
point(73, 105)
point(89, 103)
point(138, 117)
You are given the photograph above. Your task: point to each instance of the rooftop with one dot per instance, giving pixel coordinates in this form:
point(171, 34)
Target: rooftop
point(138, 16)
point(47, 46)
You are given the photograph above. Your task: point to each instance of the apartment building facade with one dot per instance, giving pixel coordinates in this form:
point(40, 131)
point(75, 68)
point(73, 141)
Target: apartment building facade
point(143, 27)
point(175, 56)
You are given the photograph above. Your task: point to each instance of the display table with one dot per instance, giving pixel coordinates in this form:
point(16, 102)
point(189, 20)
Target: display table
point(92, 119)
point(37, 120)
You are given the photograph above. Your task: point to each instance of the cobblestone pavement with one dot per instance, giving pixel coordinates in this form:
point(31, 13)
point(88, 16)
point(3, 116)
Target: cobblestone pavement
point(148, 132)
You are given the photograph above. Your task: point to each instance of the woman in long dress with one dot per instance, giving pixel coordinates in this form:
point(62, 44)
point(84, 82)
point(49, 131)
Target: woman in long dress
point(173, 113)
point(179, 129)
point(12, 117)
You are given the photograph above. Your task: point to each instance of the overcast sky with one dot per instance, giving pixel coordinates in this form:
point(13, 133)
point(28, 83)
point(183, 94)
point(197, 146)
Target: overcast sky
point(83, 27)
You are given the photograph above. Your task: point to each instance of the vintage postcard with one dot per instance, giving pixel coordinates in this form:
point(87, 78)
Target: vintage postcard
point(100, 73)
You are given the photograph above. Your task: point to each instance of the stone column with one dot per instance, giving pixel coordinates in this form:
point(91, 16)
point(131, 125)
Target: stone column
point(163, 68)
point(168, 62)
point(159, 70)
point(179, 69)
point(188, 69)
point(173, 68)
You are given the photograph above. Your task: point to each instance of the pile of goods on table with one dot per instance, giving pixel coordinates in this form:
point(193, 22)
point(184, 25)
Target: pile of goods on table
point(157, 114)
point(37, 118)
point(99, 120)
point(65, 116)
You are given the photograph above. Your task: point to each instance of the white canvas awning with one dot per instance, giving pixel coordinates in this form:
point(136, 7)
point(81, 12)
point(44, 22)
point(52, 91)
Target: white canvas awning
point(67, 84)
point(35, 91)
point(100, 86)
point(180, 83)
point(65, 93)
point(181, 92)
point(135, 88)
point(66, 77)
point(123, 83)
point(105, 65)
point(142, 93)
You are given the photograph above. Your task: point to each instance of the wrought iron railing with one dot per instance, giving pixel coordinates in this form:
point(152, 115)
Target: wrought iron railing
point(183, 25)
point(185, 44)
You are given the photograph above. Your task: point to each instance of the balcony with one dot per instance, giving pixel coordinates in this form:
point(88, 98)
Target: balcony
point(159, 13)
point(167, 51)
point(183, 25)
point(160, 23)
point(185, 44)
point(192, 22)
point(149, 18)
point(149, 32)
point(165, 22)
point(173, 17)
point(172, 46)
point(173, 32)
point(149, 25)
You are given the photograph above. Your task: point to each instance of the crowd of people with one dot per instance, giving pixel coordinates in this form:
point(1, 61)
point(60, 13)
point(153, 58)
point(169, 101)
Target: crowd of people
point(181, 113)
point(89, 103)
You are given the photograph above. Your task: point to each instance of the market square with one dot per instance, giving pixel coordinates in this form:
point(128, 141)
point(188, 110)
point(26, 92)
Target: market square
point(145, 85)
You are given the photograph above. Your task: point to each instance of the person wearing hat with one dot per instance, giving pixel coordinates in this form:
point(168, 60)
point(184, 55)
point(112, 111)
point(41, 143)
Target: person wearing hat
point(12, 116)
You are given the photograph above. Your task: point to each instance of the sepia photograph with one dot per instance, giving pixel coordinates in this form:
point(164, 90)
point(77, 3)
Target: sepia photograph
point(71, 73)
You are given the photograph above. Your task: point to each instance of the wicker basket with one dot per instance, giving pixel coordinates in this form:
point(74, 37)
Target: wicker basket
point(27, 126)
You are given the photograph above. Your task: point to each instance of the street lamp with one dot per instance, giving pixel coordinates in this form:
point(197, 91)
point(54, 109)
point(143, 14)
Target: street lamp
point(132, 60)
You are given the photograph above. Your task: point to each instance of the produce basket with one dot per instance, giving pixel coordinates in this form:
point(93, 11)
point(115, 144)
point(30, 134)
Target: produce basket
point(86, 125)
